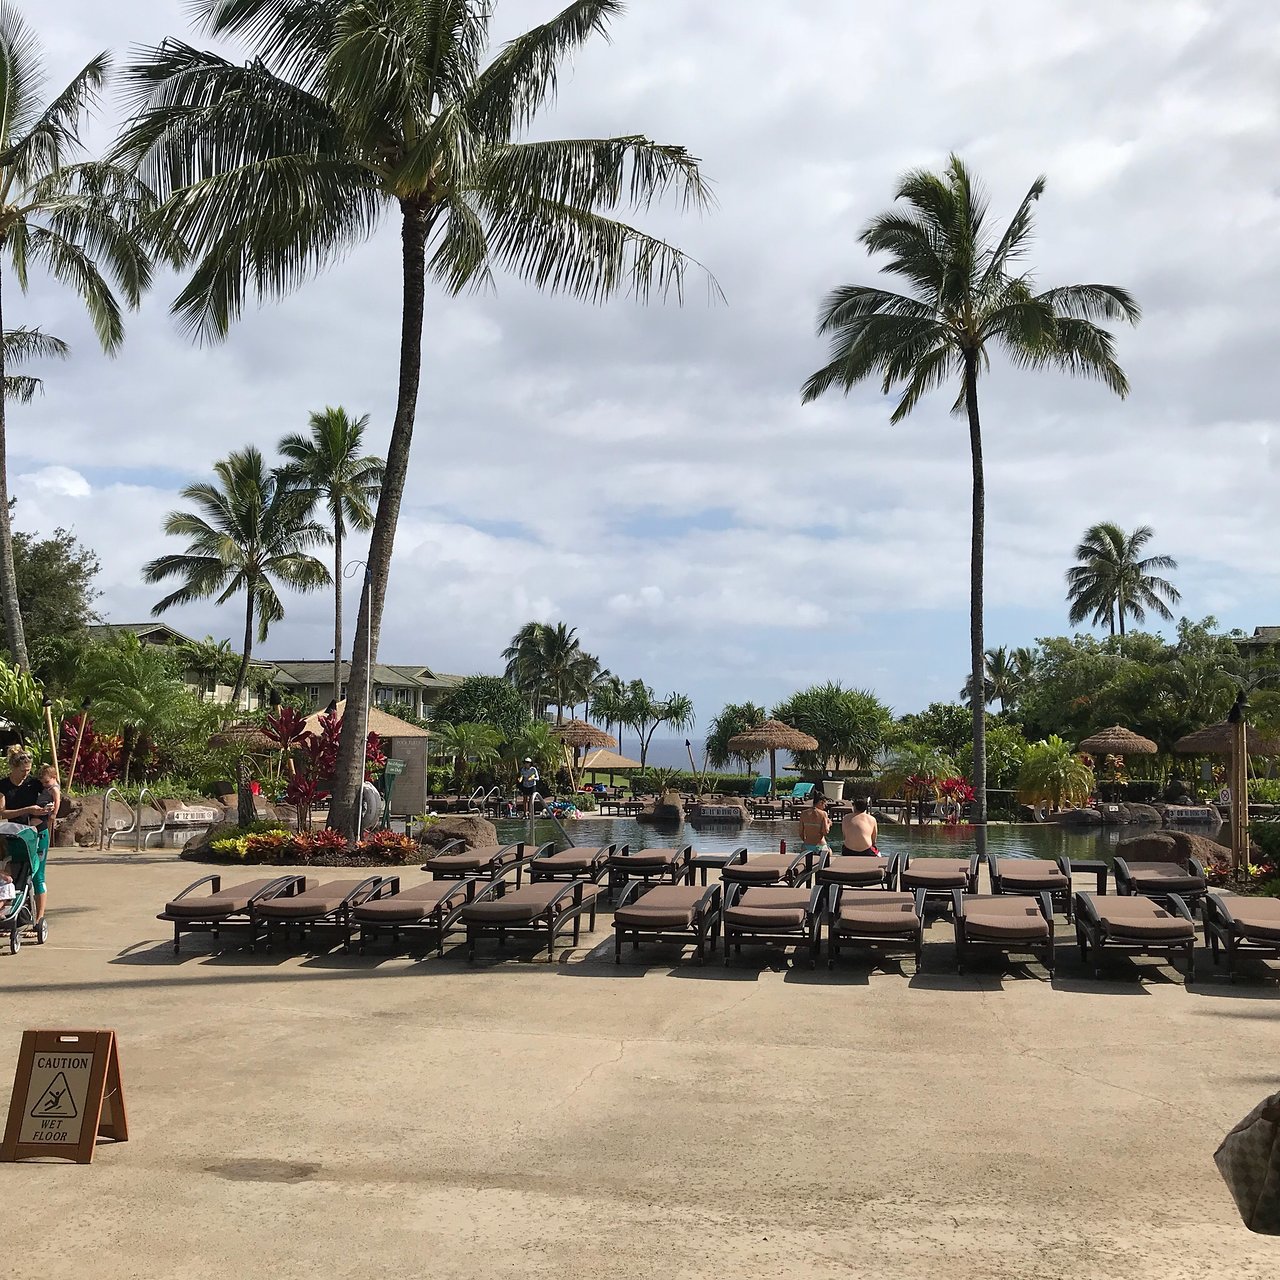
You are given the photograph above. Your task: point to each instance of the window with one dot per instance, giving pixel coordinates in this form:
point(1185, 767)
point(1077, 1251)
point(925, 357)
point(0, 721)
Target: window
point(380, 694)
point(313, 694)
point(402, 696)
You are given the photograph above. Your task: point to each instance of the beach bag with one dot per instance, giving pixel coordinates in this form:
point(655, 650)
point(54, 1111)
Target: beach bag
point(1249, 1161)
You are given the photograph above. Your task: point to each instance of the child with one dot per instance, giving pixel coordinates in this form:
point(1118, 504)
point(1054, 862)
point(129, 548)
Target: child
point(50, 797)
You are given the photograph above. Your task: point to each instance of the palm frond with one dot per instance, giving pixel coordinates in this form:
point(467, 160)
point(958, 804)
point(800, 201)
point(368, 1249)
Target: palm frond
point(1017, 236)
point(21, 74)
point(46, 146)
point(1093, 302)
point(68, 263)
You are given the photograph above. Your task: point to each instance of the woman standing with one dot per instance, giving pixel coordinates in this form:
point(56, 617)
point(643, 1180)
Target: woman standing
point(21, 793)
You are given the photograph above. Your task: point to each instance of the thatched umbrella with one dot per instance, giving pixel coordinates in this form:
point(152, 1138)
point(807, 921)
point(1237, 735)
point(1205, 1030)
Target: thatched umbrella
point(1118, 741)
point(249, 738)
point(578, 734)
point(772, 736)
point(1216, 739)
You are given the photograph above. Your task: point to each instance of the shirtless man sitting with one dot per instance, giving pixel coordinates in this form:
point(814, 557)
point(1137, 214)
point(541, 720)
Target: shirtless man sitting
point(860, 829)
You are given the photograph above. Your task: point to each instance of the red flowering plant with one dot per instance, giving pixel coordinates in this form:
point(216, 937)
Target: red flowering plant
point(390, 846)
point(955, 789)
point(98, 762)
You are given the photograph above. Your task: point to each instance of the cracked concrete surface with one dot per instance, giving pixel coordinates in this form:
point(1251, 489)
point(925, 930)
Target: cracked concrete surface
point(345, 1116)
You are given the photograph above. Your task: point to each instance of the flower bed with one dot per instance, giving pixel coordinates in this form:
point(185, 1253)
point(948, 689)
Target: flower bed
point(316, 849)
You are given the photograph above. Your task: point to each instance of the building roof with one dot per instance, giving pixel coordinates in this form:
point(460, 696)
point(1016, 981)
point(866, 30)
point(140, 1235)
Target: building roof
point(1263, 635)
point(312, 671)
point(142, 630)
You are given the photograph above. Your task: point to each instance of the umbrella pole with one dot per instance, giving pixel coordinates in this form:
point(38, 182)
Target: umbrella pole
point(773, 771)
point(1239, 798)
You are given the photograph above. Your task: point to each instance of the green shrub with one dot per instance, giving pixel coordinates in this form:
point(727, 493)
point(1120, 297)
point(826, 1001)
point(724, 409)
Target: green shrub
point(1264, 790)
point(1266, 835)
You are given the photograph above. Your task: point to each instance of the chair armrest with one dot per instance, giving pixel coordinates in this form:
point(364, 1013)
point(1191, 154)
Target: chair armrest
point(1044, 900)
point(921, 896)
point(894, 871)
point(1195, 866)
point(632, 890)
point(281, 887)
point(1214, 904)
point(709, 900)
point(214, 881)
point(993, 871)
point(833, 900)
point(973, 873)
point(738, 855)
point(1123, 876)
point(366, 889)
point(816, 897)
point(444, 849)
point(957, 903)
point(1176, 902)
point(542, 851)
point(733, 893)
point(1086, 908)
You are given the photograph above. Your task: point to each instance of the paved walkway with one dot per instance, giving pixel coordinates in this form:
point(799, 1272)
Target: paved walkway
point(348, 1117)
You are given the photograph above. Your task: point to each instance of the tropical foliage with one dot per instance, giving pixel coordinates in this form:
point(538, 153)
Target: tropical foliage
point(351, 112)
point(1053, 774)
point(645, 712)
point(485, 700)
point(735, 718)
point(969, 294)
point(550, 668)
point(1112, 579)
point(467, 747)
point(250, 530)
point(851, 725)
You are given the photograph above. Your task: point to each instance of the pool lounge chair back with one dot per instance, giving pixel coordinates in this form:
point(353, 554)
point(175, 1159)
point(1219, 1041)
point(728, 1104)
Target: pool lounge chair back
point(879, 920)
point(1162, 879)
point(428, 911)
point(760, 788)
point(801, 792)
point(1135, 924)
point(454, 861)
point(1033, 876)
point(542, 911)
point(679, 913)
point(319, 906)
point(1237, 924)
point(1003, 923)
point(787, 914)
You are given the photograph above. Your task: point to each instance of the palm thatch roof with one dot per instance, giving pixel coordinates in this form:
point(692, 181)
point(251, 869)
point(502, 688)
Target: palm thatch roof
point(600, 760)
point(384, 725)
point(1118, 741)
point(578, 733)
point(773, 735)
point(1215, 740)
point(244, 737)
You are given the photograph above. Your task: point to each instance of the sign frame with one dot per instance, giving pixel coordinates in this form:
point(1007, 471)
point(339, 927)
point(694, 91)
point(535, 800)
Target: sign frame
point(101, 1112)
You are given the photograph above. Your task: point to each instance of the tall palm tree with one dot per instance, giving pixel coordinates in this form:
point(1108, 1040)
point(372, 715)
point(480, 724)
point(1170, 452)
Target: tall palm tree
point(19, 346)
point(524, 665)
point(77, 219)
point(353, 110)
point(1002, 680)
point(328, 463)
point(250, 527)
point(1112, 578)
point(967, 296)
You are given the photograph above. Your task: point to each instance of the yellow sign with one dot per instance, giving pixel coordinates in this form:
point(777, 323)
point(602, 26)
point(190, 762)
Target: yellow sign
point(67, 1092)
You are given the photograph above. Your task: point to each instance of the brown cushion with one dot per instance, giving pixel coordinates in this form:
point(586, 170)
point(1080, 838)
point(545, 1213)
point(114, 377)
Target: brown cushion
point(1163, 877)
point(1031, 873)
point(760, 868)
point(525, 904)
point(671, 906)
point(1257, 917)
point(472, 860)
point(878, 913)
point(415, 903)
point(854, 868)
point(770, 907)
point(315, 900)
point(936, 873)
point(1138, 917)
point(569, 860)
point(646, 859)
point(230, 901)
point(1004, 920)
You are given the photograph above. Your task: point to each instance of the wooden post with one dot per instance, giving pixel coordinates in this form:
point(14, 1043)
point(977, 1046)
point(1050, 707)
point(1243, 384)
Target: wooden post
point(53, 741)
point(75, 751)
point(1239, 798)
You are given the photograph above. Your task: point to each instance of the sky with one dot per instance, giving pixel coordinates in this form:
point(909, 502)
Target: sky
point(648, 473)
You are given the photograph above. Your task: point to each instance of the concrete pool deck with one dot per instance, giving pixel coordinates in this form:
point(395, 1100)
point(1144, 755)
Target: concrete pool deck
point(344, 1116)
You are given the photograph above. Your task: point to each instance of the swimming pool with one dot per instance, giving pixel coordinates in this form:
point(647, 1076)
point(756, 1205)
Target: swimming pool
point(1024, 840)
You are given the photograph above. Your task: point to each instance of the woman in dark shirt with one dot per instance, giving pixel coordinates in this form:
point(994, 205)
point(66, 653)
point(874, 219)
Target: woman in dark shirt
point(20, 792)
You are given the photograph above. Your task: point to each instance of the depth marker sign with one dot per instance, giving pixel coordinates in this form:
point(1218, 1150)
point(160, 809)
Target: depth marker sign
point(66, 1092)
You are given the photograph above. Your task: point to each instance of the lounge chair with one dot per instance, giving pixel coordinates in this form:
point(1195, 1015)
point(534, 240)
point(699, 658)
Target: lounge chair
point(650, 866)
point(1004, 923)
point(454, 861)
point(1136, 924)
point(1241, 924)
point(939, 876)
point(679, 913)
point(430, 909)
point(799, 797)
point(1162, 880)
point(702, 863)
point(316, 905)
point(790, 915)
point(543, 911)
point(1033, 876)
point(767, 809)
point(231, 908)
point(879, 919)
point(761, 788)
point(770, 868)
point(859, 870)
point(570, 864)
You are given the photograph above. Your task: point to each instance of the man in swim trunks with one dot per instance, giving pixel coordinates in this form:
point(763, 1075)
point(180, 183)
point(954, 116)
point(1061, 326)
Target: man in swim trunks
point(815, 825)
point(860, 829)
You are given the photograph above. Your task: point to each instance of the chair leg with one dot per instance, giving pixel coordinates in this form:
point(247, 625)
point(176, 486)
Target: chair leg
point(617, 945)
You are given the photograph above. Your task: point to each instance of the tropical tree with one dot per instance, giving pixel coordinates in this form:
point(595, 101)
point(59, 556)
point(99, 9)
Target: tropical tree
point(535, 741)
point(352, 110)
point(19, 346)
point(915, 770)
point(550, 667)
point(483, 700)
point(607, 702)
point(214, 662)
point(735, 718)
point(967, 297)
point(1053, 774)
point(643, 711)
point(250, 530)
point(77, 219)
point(849, 724)
point(1113, 579)
point(330, 466)
point(468, 747)
point(1002, 681)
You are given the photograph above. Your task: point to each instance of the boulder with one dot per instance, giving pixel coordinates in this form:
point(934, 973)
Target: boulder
point(1169, 846)
point(1144, 815)
point(474, 832)
point(80, 823)
point(1079, 818)
point(666, 811)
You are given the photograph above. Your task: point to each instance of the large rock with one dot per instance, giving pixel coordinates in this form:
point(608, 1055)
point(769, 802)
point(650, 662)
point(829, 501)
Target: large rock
point(81, 821)
point(1079, 818)
point(1144, 815)
point(475, 833)
point(1169, 846)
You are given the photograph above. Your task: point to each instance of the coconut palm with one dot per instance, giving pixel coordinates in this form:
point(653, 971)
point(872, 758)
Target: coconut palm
point(77, 219)
point(524, 665)
point(607, 703)
point(734, 718)
point(213, 661)
point(21, 345)
point(1112, 578)
point(1053, 774)
point(329, 465)
point(967, 297)
point(250, 527)
point(1002, 678)
point(351, 111)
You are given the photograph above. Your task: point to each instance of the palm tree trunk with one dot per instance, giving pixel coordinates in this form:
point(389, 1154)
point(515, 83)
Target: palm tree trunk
point(977, 652)
point(243, 673)
point(349, 772)
point(337, 607)
point(15, 636)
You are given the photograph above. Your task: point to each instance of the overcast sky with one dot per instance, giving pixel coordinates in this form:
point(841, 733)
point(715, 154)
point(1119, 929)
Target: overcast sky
point(648, 474)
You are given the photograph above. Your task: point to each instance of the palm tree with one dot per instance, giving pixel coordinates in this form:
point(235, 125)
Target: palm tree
point(967, 297)
point(213, 661)
point(77, 219)
point(607, 703)
point(21, 345)
point(1002, 681)
point(524, 665)
point(351, 110)
point(734, 718)
point(251, 527)
point(1112, 579)
point(643, 711)
point(468, 746)
point(329, 464)
point(1053, 774)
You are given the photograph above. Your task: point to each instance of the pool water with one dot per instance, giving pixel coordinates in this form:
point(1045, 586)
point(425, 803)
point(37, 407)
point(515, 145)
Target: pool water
point(1023, 840)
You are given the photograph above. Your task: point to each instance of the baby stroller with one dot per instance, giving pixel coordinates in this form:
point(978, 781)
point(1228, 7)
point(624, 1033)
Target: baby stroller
point(18, 913)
